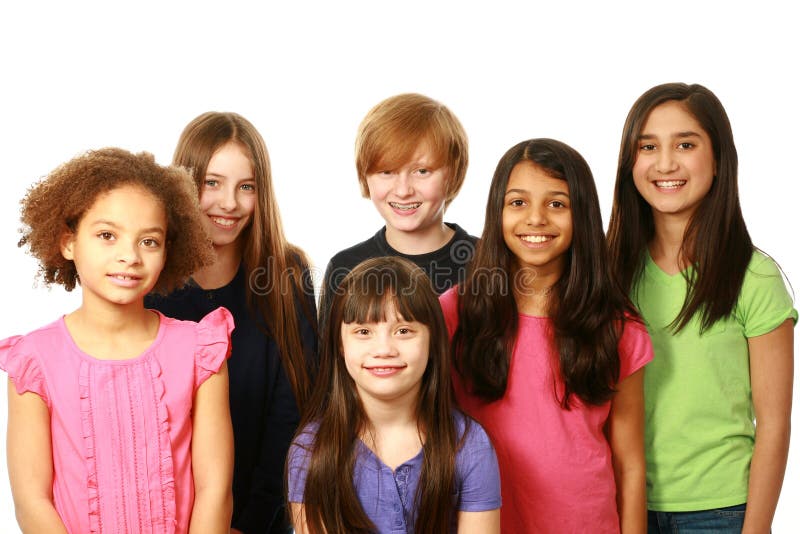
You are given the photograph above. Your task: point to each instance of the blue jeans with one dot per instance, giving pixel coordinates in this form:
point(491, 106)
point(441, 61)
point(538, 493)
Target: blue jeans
point(727, 520)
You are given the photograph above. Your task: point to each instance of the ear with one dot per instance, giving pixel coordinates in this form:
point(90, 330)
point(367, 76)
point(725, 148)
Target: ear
point(67, 244)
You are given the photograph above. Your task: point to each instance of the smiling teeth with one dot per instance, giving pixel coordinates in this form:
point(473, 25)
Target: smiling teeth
point(670, 184)
point(123, 277)
point(405, 207)
point(536, 238)
point(223, 222)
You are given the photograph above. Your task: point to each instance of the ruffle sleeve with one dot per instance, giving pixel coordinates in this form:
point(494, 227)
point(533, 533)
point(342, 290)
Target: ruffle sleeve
point(23, 367)
point(213, 344)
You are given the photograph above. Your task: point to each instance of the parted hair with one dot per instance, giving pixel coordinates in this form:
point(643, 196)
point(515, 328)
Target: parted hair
point(716, 241)
point(393, 129)
point(265, 245)
point(53, 207)
point(330, 501)
point(586, 306)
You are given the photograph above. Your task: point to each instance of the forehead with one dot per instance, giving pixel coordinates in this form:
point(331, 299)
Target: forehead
point(129, 202)
point(530, 177)
point(671, 117)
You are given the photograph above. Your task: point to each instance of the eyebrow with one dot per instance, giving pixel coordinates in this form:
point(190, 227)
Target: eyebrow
point(217, 175)
point(525, 191)
point(152, 229)
point(688, 133)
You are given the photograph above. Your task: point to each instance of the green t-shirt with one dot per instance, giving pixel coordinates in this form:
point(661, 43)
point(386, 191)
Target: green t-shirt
point(699, 419)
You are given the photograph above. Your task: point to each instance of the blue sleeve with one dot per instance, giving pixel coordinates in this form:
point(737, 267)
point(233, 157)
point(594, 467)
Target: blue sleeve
point(297, 464)
point(477, 472)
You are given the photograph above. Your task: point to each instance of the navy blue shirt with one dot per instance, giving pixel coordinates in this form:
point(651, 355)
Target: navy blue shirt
point(263, 407)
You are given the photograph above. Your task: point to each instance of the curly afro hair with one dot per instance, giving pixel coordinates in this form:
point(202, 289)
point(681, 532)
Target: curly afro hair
point(54, 206)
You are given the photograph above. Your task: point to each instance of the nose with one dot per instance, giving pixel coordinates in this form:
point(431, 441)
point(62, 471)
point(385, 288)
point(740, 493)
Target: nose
point(128, 252)
point(402, 184)
point(666, 162)
point(536, 216)
point(384, 346)
point(227, 199)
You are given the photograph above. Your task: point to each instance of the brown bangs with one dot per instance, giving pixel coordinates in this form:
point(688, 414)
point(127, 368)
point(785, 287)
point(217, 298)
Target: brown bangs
point(374, 283)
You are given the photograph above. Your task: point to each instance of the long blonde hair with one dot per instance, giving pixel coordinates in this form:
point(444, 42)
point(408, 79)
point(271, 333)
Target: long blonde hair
point(278, 275)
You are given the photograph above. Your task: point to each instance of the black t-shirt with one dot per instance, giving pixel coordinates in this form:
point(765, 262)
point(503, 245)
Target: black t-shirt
point(445, 267)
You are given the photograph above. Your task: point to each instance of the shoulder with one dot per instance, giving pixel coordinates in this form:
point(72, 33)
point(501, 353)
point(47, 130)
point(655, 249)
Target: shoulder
point(461, 234)
point(764, 301)
point(302, 444)
point(449, 302)
point(25, 358)
point(352, 256)
point(635, 347)
point(470, 432)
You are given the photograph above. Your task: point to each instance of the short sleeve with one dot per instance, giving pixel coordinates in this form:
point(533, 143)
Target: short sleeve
point(764, 303)
point(477, 472)
point(22, 366)
point(635, 348)
point(297, 463)
point(213, 343)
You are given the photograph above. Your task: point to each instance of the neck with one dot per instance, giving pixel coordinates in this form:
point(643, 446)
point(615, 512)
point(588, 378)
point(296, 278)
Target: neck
point(391, 414)
point(111, 319)
point(533, 288)
point(223, 270)
point(665, 247)
point(110, 332)
point(420, 241)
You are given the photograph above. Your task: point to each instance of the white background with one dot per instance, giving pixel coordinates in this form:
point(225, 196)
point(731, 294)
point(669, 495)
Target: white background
point(80, 75)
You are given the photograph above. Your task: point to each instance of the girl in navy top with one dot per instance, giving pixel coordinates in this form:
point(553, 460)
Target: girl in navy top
point(384, 449)
point(264, 282)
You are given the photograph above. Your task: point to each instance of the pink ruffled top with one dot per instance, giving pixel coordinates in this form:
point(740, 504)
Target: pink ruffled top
point(121, 429)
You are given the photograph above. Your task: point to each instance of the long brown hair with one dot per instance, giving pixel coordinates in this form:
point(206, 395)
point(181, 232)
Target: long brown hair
point(330, 500)
point(277, 271)
point(716, 241)
point(587, 308)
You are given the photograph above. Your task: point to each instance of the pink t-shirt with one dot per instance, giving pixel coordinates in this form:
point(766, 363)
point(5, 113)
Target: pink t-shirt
point(121, 429)
point(556, 473)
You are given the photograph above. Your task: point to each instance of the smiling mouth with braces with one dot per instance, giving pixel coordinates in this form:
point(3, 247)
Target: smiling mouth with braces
point(405, 207)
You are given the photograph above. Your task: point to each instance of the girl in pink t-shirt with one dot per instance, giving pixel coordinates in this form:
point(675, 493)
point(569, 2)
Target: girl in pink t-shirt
point(118, 417)
point(549, 353)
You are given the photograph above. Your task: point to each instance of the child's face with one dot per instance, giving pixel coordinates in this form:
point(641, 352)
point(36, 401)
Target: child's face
point(228, 194)
point(119, 246)
point(537, 219)
point(386, 359)
point(411, 198)
point(675, 166)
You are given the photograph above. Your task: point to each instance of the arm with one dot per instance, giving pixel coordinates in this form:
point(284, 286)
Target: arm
point(626, 437)
point(298, 511)
point(479, 522)
point(771, 371)
point(30, 463)
point(212, 456)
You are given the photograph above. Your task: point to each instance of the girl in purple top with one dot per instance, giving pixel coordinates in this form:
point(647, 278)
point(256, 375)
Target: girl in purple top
point(383, 448)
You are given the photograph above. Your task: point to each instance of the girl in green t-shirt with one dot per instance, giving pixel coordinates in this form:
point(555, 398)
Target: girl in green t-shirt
point(717, 311)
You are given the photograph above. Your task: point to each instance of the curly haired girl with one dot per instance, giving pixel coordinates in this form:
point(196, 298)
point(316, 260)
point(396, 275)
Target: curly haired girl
point(118, 418)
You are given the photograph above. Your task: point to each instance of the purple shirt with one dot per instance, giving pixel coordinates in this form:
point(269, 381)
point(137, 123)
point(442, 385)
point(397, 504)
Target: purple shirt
point(388, 496)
